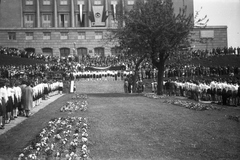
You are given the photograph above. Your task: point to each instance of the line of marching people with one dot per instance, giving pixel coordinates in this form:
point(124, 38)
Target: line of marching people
point(217, 92)
point(17, 98)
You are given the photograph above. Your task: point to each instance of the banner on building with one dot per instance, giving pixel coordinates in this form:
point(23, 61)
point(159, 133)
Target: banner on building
point(98, 14)
point(80, 4)
point(115, 68)
point(113, 8)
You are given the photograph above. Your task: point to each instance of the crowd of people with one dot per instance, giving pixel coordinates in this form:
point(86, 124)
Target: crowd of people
point(24, 54)
point(199, 70)
point(216, 91)
point(216, 52)
point(19, 96)
point(23, 87)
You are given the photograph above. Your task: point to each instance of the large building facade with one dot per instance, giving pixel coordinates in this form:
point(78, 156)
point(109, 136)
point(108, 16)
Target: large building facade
point(64, 27)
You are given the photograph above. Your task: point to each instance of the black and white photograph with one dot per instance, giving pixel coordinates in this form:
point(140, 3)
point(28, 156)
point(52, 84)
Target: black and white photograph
point(119, 79)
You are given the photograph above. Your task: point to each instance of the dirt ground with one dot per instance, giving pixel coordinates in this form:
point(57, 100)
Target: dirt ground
point(131, 126)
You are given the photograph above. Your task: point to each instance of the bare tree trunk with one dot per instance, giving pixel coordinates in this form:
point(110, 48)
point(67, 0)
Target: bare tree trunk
point(135, 79)
point(136, 73)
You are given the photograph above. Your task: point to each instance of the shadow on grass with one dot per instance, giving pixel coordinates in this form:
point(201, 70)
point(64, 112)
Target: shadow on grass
point(114, 94)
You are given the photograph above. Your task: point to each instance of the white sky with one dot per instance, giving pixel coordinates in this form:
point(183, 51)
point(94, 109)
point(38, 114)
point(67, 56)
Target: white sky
point(222, 12)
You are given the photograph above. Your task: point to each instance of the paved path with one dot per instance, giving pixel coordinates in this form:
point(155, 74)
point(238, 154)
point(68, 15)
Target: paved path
point(99, 86)
point(20, 119)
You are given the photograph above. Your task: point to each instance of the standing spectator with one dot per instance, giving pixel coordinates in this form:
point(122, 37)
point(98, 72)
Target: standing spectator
point(27, 99)
point(2, 104)
point(238, 51)
point(9, 104)
point(126, 85)
point(130, 83)
point(167, 86)
point(20, 105)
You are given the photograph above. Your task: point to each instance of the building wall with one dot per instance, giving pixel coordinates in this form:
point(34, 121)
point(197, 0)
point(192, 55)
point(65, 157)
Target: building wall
point(10, 13)
point(55, 42)
point(217, 37)
point(12, 20)
point(180, 3)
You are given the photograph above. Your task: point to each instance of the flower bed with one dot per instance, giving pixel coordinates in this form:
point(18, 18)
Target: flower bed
point(154, 96)
point(234, 117)
point(63, 139)
point(193, 105)
point(80, 96)
point(74, 106)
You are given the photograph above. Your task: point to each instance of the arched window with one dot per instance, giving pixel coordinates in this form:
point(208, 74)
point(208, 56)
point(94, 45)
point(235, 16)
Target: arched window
point(47, 51)
point(99, 51)
point(81, 52)
point(115, 51)
point(30, 50)
point(64, 52)
point(13, 49)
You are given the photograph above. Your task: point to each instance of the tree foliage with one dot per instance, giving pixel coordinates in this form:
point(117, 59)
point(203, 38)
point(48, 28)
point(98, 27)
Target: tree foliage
point(153, 29)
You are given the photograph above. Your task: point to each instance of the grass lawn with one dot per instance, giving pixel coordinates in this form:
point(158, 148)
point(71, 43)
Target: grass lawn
point(130, 126)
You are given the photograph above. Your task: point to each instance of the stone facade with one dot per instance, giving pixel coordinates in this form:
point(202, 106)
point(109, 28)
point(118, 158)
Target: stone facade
point(46, 21)
point(210, 37)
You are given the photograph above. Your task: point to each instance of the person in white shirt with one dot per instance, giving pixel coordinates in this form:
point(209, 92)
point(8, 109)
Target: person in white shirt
point(16, 93)
point(2, 104)
point(10, 102)
point(60, 89)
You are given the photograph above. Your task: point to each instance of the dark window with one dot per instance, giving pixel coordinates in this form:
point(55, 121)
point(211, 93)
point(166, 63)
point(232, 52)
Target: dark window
point(12, 36)
point(64, 52)
point(99, 51)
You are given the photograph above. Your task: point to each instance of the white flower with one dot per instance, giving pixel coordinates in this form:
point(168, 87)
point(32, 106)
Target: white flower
point(75, 135)
point(72, 154)
point(32, 156)
point(67, 156)
point(38, 144)
point(69, 126)
point(58, 137)
point(84, 134)
point(52, 146)
point(84, 139)
point(84, 147)
point(84, 130)
point(57, 154)
point(20, 156)
point(84, 125)
point(80, 119)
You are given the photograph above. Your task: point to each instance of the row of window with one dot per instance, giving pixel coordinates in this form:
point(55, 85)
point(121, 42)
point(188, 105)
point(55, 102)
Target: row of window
point(29, 20)
point(64, 52)
point(64, 20)
point(65, 2)
point(47, 35)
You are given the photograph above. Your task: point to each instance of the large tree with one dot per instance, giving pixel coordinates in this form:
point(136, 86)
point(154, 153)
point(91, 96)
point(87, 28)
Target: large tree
point(133, 45)
point(153, 29)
